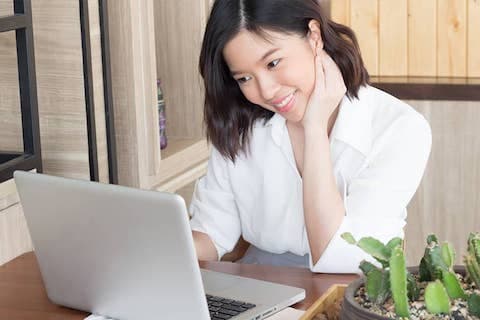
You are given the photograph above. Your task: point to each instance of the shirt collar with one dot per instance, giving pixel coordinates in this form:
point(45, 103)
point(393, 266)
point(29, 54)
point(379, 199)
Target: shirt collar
point(353, 125)
point(277, 122)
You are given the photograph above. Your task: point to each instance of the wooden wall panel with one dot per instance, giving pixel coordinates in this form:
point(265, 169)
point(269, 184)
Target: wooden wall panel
point(392, 41)
point(447, 201)
point(60, 88)
point(440, 35)
point(10, 114)
point(364, 20)
point(6, 7)
point(340, 11)
point(451, 38)
point(473, 66)
point(422, 38)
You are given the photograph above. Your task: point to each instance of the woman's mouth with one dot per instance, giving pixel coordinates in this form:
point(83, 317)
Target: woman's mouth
point(286, 104)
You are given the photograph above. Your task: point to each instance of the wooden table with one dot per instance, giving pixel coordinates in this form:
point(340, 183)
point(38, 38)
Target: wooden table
point(23, 296)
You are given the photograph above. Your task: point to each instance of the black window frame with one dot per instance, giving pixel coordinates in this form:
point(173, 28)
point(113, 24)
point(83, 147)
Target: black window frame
point(30, 158)
point(107, 90)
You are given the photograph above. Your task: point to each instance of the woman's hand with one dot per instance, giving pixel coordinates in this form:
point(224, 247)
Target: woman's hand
point(327, 93)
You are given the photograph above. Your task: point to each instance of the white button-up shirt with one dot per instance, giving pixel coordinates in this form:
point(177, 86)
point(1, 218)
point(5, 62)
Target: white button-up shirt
point(379, 148)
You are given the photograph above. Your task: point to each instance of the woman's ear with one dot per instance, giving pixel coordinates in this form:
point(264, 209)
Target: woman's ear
point(314, 35)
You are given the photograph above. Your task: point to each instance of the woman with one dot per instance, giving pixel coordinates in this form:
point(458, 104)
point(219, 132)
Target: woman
point(303, 148)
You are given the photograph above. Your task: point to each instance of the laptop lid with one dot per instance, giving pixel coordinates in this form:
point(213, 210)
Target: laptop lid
point(113, 250)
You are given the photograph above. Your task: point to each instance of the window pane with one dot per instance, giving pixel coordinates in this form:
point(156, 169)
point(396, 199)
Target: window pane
point(10, 113)
point(6, 7)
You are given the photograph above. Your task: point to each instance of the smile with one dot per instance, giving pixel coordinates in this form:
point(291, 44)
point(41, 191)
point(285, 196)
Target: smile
point(286, 103)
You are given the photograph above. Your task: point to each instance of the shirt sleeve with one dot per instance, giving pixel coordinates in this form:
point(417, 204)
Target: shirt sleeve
point(213, 207)
point(376, 200)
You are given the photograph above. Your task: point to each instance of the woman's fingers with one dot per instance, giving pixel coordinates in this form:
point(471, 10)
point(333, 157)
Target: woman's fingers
point(331, 70)
point(334, 83)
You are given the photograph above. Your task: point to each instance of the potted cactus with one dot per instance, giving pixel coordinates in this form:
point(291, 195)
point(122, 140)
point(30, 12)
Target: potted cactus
point(434, 290)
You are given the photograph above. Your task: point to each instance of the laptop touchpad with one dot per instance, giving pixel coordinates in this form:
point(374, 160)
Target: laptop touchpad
point(216, 281)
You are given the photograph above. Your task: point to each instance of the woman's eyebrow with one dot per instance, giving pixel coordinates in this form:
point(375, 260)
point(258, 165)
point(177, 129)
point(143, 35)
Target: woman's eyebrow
point(265, 56)
point(269, 52)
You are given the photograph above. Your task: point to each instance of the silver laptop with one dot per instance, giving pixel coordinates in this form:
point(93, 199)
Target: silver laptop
point(128, 254)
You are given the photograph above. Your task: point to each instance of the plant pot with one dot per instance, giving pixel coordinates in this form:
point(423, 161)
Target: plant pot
point(351, 310)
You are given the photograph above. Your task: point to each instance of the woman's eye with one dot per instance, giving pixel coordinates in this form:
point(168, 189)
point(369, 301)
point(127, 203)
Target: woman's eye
point(243, 80)
point(274, 63)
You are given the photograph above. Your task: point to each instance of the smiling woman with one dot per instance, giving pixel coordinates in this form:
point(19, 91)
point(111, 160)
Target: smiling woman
point(258, 33)
point(268, 80)
point(304, 149)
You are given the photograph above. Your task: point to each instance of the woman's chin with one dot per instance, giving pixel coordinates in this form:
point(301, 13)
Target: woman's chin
point(295, 117)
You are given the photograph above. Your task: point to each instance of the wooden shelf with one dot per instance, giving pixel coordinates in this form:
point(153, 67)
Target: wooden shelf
point(141, 53)
point(184, 178)
point(178, 145)
point(183, 161)
point(430, 88)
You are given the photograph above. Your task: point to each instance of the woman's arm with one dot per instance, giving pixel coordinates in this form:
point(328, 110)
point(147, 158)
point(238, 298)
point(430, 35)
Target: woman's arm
point(323, 205)
point(204, 246)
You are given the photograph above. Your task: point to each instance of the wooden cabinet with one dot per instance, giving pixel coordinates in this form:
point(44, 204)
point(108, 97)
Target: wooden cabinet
point(149, 40)
point(14, 236)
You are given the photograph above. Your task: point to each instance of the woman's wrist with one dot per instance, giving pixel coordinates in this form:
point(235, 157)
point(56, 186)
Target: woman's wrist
point(316, 131)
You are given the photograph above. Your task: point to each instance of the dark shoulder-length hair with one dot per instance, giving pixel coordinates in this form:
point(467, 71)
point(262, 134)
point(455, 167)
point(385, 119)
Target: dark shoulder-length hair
point(228, 115)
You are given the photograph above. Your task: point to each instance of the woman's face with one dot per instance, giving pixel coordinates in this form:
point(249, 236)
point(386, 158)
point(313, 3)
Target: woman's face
point(278, 74)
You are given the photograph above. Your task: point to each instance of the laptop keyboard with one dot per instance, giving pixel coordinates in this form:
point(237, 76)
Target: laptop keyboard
point(221, 308)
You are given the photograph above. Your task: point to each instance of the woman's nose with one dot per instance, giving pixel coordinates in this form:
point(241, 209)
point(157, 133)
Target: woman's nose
point(268, 87)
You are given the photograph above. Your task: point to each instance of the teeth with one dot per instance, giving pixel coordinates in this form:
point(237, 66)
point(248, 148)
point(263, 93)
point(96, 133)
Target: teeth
point(285, 101)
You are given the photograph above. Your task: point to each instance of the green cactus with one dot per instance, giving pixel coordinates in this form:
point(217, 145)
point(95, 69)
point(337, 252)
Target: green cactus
point(448, 254)
point(424, 271)
point(398, 282)
point(413, 291)
point(366, 267)
point(473, 269)
point(449, 279)
point(472, 258)
point(347, 236)
point(433, 264)
point(452, 285)
point(394, 242)
point(378, 286)
point(376, 249)
point(437, 264)
point(392, 279)
point(377, 282)
point(474, 304)
point(436, 298)
point(431, 238)
point(474, 242)
point(372, 246)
